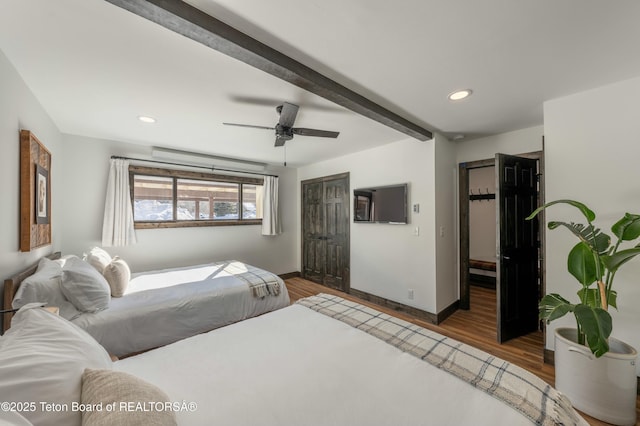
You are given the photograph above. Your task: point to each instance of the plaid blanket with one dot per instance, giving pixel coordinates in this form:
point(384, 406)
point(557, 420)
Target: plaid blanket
point(261, 283)
point(523, 391)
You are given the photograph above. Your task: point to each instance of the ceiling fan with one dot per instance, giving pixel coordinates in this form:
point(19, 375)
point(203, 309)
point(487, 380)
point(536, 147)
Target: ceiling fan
point(284, 128)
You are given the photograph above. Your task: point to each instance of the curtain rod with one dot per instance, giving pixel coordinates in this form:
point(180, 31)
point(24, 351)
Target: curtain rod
point(212, 168)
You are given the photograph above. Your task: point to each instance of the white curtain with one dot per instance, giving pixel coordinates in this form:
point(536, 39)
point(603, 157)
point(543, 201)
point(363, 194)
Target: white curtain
point(117, 227)
point(270, 218)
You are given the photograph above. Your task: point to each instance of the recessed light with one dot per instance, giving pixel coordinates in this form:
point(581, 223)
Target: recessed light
point(146, 119)
point(460, 94)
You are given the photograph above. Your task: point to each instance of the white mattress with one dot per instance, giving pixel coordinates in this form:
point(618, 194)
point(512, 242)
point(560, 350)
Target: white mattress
point(299, 367)
point(161, 307)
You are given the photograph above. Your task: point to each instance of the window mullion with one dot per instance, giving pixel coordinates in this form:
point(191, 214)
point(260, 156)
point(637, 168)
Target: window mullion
point(241, 206)
point(175, 198)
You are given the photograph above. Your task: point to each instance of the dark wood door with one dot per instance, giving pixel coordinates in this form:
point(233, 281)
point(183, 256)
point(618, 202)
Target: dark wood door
point(325, 231)
point(517, 270)
point(313, 253)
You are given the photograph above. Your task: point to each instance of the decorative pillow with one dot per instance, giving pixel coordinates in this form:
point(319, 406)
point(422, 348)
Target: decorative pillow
point(98, 258)
point(44, 287)
point(42, 358)
point(115, 387)
point(118, 275)
point(84, 286)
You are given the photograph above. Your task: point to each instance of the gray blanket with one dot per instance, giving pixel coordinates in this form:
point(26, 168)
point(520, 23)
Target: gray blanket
point(261, 283)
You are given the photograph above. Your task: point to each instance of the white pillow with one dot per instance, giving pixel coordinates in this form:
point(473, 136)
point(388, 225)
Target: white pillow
point(118, 275)
point(42, 358)
point(44, 287)
point(98, 258)
point(84, 286)
point(61, 261)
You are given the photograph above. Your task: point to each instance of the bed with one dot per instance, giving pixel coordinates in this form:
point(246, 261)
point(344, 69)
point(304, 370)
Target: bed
point(163, 306)
point(321, 361)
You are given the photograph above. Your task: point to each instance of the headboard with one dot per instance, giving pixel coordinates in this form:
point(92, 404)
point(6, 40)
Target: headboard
point(11, 286)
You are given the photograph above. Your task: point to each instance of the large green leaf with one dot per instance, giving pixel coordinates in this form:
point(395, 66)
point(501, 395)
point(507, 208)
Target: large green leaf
point(553, 306)
point(590, 235)
point(627, 228)
point(591, 297)
point(613, 298)
point(618, 259)
point(586, 211)
point(596, 324)
point(582, 264)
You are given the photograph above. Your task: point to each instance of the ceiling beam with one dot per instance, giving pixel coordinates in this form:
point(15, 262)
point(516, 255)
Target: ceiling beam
point(185, 19)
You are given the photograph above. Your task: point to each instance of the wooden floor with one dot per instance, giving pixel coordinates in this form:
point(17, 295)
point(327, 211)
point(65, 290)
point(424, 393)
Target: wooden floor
point(476, 327)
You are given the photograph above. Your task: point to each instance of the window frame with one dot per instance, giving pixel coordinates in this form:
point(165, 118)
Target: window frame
point(184, 174)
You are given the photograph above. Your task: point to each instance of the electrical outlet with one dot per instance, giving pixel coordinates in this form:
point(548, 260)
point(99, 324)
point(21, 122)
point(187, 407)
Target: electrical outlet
point(442, 231)
point(410, 294)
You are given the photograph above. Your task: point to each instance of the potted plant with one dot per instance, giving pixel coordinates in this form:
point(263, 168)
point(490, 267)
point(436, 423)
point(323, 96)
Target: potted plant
point(581, 373)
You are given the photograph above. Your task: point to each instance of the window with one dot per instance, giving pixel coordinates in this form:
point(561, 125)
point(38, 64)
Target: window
point(252, 201)
point(153, 199)
point(171, 198)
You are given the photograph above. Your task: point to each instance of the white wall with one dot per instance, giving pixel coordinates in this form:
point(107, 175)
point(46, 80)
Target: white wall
point(19, 109)
point(85, 179)
point(444, 228)
point(388, 260)
point(482, 214)
point(513, 143)
point(591, 155)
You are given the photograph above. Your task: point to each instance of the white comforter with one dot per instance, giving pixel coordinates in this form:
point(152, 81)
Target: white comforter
point(298, 367)
point(161, 307)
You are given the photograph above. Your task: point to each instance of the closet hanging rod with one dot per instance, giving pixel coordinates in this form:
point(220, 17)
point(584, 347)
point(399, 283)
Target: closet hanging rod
point(212, 168)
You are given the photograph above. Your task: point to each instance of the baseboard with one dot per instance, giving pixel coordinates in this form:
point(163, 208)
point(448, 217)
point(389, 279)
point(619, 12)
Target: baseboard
point(550, 358)
point(447, 312)
point(289, 275)
point(396, 306)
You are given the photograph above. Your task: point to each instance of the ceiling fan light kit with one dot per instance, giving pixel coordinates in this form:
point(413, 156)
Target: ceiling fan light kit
point(284, 128)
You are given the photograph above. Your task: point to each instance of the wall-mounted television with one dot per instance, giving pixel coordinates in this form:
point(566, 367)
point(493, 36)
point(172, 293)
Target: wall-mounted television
point(382, 204)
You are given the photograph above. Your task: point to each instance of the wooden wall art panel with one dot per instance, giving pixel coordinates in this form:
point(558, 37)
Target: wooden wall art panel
point(35, 193)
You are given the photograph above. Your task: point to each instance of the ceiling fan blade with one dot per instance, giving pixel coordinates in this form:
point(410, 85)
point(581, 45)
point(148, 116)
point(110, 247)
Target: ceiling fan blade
point(249, 125)
point(313, 132)
point(288, 114)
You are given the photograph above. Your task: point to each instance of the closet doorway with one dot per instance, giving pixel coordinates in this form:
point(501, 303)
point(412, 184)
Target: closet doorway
point(499, 249)
point(325, 231)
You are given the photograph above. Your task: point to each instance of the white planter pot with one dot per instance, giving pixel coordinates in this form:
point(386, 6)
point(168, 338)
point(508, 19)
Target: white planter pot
point(605, 387)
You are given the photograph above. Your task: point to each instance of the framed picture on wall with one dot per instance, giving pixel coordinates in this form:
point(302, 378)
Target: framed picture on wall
point(42, 195)
point(35, 193)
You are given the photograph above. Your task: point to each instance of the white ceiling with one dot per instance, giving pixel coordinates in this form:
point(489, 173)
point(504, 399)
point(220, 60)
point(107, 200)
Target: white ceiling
point(95, 67)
